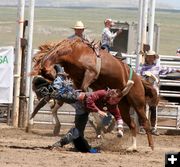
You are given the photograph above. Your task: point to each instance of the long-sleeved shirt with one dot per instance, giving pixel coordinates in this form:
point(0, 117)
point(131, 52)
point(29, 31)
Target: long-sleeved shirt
point(156, 69)
point(107, 37)
point(97, 101)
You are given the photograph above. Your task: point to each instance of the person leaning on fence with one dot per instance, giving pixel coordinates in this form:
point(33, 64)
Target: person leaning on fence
point(107, 35)
point(150, 71)
point(79, 31)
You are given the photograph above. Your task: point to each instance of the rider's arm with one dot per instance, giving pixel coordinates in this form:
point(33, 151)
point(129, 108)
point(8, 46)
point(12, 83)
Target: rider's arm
point(117, 115)
point(115, 112)
point(166, 70)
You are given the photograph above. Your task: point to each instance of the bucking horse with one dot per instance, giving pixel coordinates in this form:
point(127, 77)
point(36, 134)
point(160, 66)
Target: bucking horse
point(91, 67)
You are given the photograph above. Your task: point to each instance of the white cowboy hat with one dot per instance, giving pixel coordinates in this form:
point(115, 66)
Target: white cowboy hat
point(107, 20)
point(151, 53)
point(79, 25)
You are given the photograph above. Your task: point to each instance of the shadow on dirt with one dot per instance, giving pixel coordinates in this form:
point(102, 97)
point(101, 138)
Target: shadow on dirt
point(30, 148)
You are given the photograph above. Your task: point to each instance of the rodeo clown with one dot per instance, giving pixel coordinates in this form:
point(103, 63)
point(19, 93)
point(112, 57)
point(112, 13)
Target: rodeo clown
point(101, 101)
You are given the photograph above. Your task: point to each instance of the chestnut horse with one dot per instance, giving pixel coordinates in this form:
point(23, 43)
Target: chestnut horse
point(79, 60)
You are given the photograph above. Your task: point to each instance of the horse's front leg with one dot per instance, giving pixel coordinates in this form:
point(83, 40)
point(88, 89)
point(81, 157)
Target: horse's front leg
point(55, 105)
point(89, 77)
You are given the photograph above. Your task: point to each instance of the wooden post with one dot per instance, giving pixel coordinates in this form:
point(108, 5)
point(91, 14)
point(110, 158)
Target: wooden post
point(18, 59)
point(23, 102)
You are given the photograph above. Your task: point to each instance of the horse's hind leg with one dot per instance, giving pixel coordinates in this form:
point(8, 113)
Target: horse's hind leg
point(145, 123)
point(125, 113)
point(54, 110)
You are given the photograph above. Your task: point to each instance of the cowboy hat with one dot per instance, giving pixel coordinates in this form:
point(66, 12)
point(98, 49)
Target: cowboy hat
point(151, 53)
point(107, 20)
point(79, 25)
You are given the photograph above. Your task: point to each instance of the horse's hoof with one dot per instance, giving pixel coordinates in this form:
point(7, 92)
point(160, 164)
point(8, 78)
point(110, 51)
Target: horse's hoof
point(132, 149)
point(152, 147)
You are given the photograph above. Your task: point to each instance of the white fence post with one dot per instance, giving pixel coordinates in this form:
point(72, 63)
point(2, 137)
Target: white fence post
point(29, 93)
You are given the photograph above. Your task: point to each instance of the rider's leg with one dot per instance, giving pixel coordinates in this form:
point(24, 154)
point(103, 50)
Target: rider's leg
point(72, 134)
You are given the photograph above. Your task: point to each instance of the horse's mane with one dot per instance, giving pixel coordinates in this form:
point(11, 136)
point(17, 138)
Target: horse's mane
point(53, 48)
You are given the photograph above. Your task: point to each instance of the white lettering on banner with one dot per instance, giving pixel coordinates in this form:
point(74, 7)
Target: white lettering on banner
point(6, 75)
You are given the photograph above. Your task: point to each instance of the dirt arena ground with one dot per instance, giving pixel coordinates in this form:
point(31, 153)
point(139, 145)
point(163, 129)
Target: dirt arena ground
point(21, 149)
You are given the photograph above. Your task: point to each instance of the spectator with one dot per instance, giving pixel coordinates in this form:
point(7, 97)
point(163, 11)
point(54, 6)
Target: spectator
point(150, 71)
point(107, 35)
point(79, 31)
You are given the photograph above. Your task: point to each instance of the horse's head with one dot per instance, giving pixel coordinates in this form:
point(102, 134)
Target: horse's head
point(47, 72)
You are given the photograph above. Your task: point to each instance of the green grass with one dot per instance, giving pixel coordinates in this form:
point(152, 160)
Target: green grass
point(52, 24)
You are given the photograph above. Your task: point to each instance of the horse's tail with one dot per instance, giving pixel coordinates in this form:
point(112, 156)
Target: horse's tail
point(41, 104)
point(150, 93)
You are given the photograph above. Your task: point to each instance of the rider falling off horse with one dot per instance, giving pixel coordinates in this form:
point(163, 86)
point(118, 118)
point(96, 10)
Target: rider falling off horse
point(99, 101)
